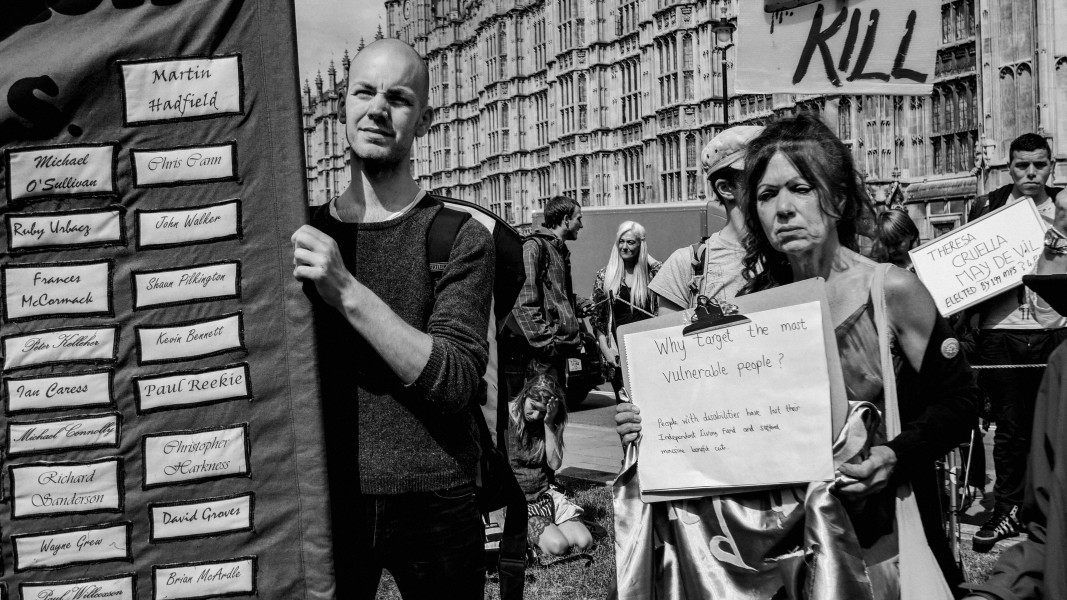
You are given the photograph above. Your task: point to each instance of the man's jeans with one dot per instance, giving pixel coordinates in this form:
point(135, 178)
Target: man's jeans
point(432, 543)
point(1012, 393)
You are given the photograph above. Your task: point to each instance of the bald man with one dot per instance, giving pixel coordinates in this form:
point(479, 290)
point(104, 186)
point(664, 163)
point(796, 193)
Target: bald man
point(402, 354)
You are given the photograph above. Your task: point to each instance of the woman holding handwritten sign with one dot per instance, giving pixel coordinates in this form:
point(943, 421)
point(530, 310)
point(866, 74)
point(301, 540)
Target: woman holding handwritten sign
point(804, 203)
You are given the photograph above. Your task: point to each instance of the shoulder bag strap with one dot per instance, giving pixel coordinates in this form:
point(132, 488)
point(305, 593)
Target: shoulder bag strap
point(444, 229)
point(889, 380)
point(920, 575)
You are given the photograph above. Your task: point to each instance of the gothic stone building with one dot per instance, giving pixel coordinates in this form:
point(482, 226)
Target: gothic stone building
point(610, 102)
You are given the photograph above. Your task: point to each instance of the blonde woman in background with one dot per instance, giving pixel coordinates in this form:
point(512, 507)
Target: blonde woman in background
point(626, 278)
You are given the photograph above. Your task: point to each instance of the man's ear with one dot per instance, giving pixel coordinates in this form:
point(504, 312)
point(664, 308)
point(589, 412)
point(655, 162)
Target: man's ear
point(425, 120)
point(342, 103)
point(725, 189)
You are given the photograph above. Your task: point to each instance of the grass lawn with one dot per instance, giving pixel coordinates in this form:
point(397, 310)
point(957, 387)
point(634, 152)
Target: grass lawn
point(589, 576)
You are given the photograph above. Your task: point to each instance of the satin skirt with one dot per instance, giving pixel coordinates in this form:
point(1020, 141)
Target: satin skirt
point(797, 542)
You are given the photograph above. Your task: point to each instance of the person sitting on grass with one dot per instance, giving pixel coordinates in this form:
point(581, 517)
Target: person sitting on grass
point(536, 421)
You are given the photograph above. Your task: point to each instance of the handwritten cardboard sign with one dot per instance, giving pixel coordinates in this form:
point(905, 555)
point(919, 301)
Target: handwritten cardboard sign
point(982, 259)
point(714, 401)
point(839, 47)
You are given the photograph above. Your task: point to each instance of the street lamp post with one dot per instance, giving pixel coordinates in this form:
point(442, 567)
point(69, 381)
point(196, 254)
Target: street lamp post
point(724, 33)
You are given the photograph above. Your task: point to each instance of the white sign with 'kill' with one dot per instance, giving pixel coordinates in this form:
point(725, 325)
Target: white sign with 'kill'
point(837, 46)
point(743, 406)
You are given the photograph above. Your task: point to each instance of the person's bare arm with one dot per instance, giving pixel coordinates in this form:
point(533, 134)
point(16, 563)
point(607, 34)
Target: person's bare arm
point(948, 390)
point(552, 441)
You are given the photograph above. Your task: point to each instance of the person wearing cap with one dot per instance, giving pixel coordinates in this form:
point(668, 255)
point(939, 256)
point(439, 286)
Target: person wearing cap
point(712, 267)
point(1009, 334)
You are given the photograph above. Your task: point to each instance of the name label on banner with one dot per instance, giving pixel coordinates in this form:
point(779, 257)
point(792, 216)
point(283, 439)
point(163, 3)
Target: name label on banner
point(40, 489)
point(59, 392)
point(75, 289)
point(173, 521)
point(54, 346)
point(80, 229)
point(57, 435)
point(192, 164)
point(181, 89)
point(984, 258)
point(82, 170)
point(191, 284)
point(113, 588)
point(836, 47)
point(178, 457)
point(208, 223)
point(195, 339)
point(78, 545)
point(192, 388)
point(235, 577)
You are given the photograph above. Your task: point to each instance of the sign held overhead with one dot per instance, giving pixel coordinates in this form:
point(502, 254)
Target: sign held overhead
point(838, 47)
point(986, 257)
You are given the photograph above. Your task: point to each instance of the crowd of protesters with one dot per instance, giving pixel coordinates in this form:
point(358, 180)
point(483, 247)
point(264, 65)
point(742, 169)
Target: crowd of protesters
point(404, 351)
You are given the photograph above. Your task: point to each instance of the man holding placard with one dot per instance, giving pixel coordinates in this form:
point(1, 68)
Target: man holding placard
point(1009, 336)
point(401, 356)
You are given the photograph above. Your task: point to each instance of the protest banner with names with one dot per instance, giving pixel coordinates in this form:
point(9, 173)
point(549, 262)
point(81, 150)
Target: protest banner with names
point(984, 258)
point(714, 401)
point(153, 173)
point(838, 47)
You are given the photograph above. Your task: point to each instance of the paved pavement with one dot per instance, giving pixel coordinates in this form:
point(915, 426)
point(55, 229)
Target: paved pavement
point(592, 450)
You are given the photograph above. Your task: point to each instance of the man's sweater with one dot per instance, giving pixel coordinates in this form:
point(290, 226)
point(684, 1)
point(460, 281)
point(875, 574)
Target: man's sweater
point(399, 438)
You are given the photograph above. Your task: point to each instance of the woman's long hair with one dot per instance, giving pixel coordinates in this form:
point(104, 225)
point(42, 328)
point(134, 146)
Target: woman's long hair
point(532, 440)
point(615, 273)
point(825, 163)
point(892, 228)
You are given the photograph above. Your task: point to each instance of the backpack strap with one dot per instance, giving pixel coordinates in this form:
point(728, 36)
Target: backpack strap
point(698, 249)
point(542, 256)
point(441, 236)
point(444, 229)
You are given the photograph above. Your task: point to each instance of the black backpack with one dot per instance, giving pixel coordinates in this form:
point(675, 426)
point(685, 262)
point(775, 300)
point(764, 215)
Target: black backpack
point(496, 484)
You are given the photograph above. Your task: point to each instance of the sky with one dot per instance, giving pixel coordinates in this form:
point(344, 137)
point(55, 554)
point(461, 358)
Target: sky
point(324, 28)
